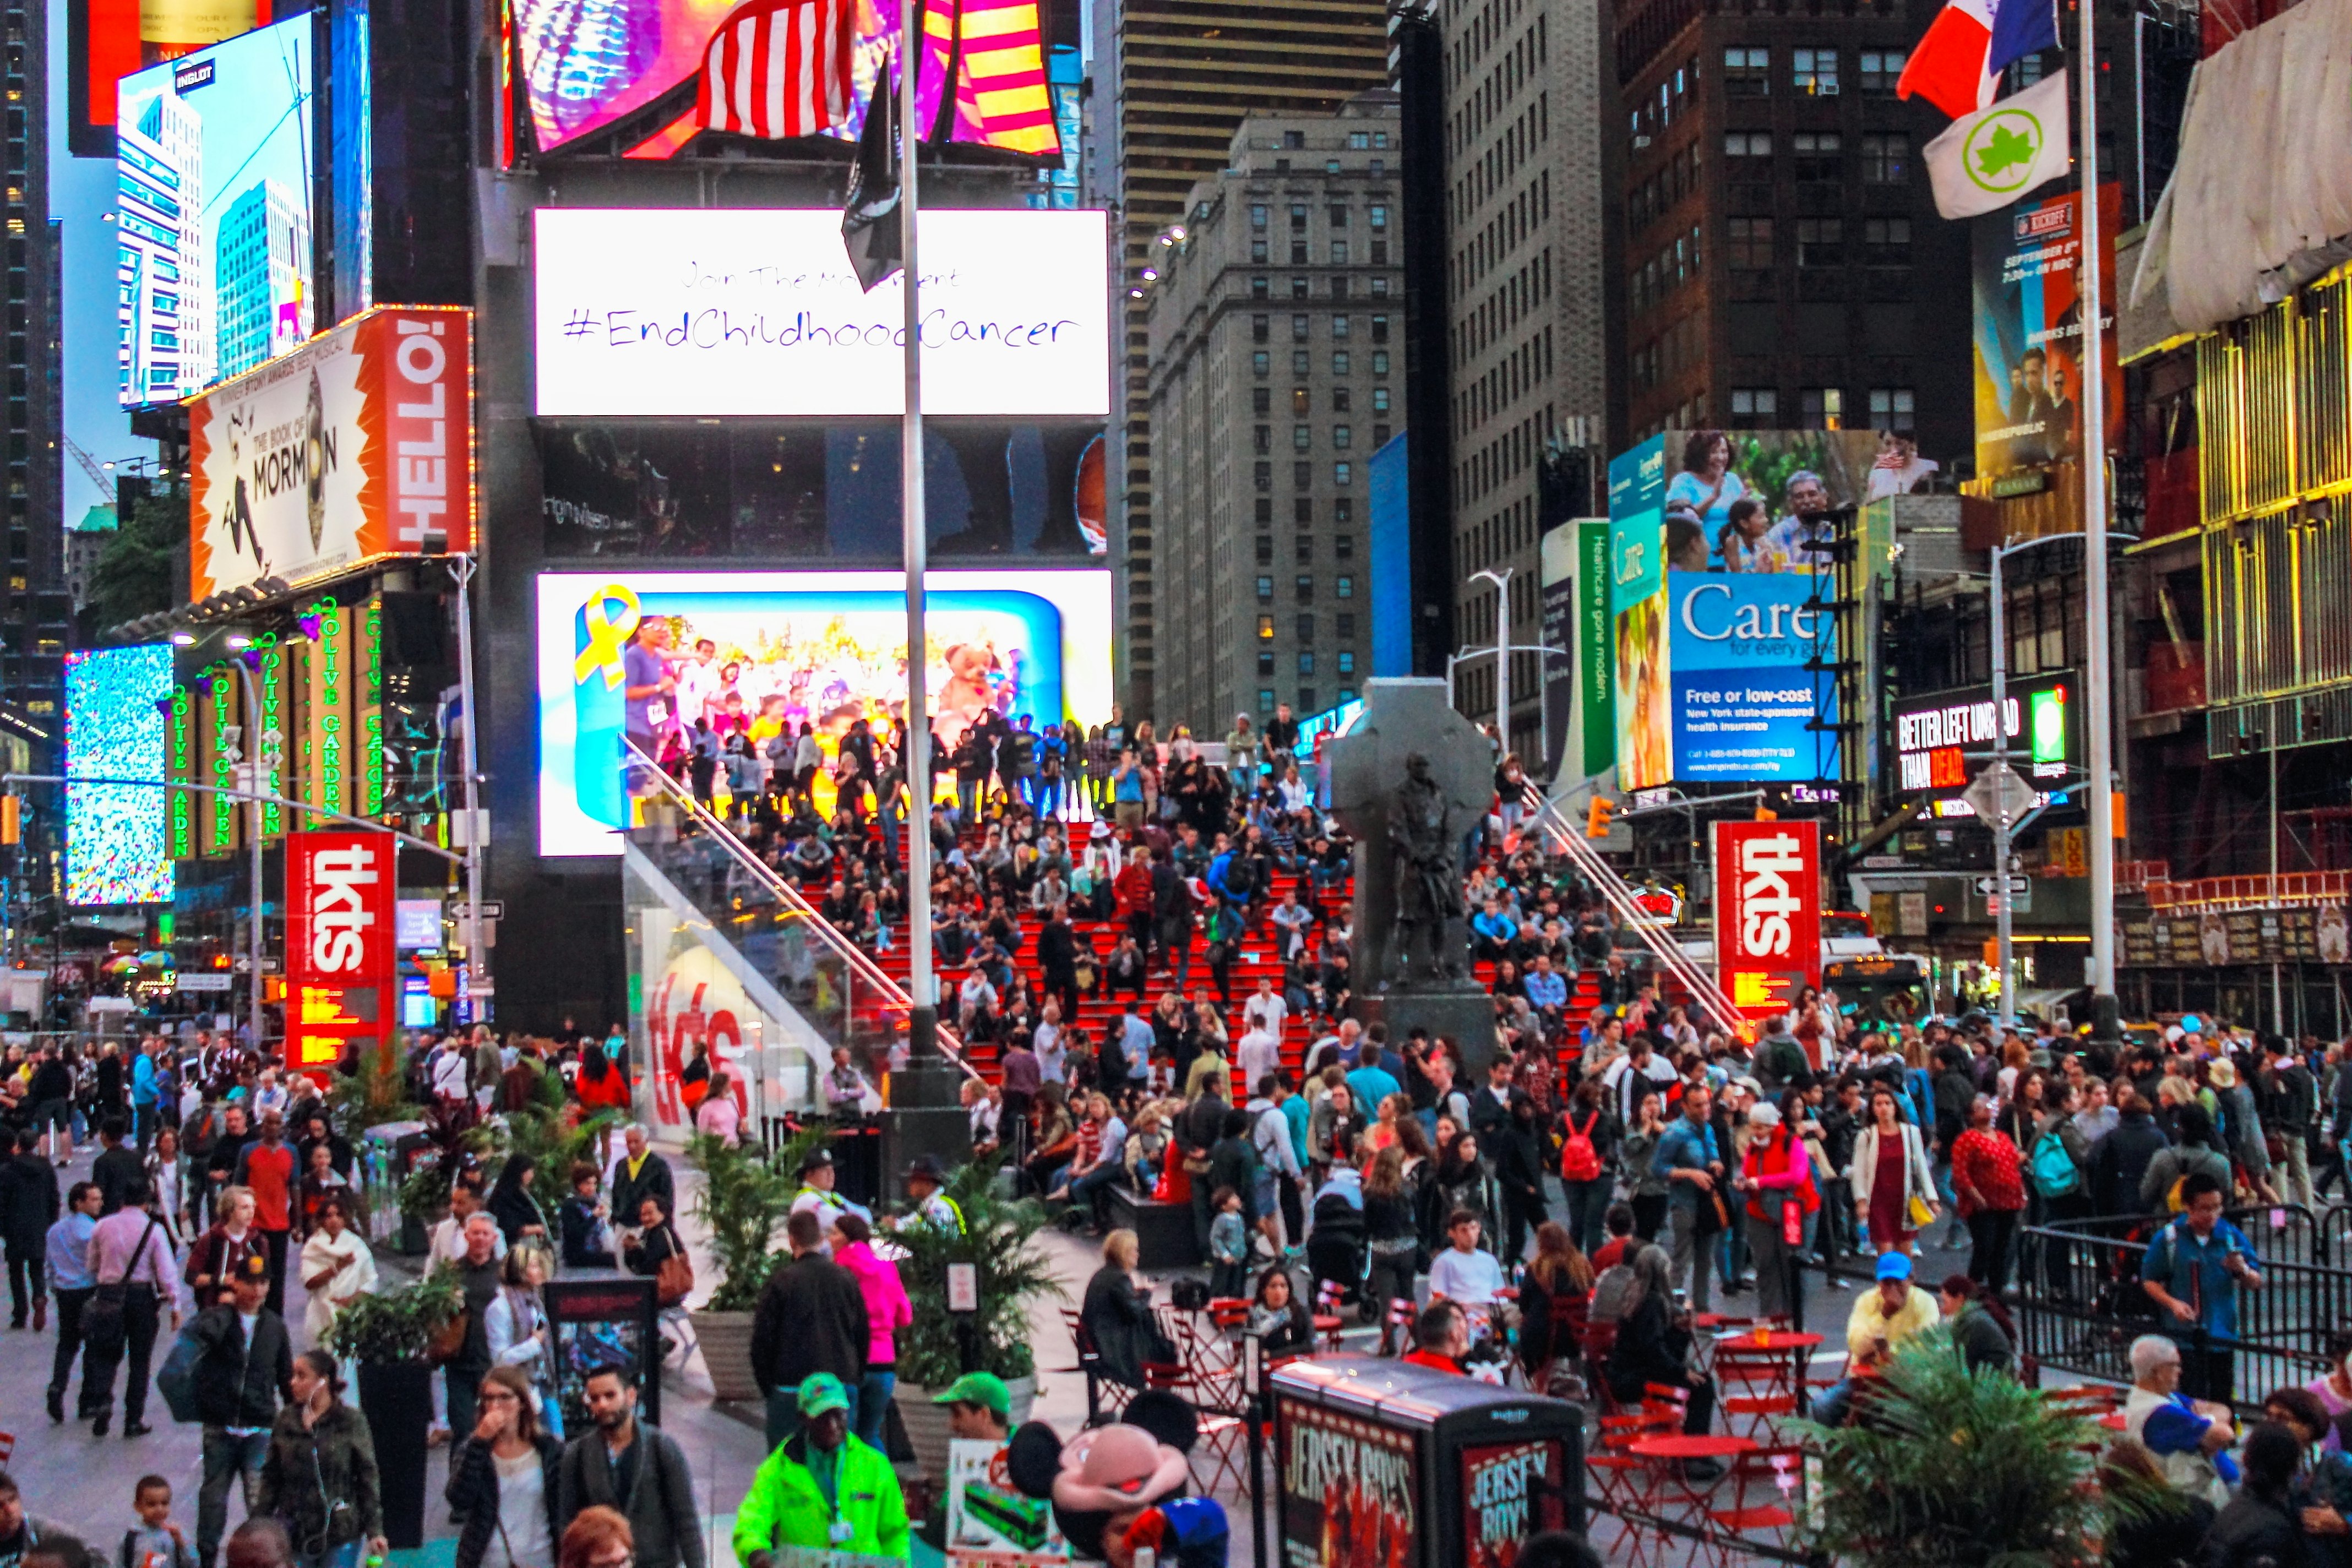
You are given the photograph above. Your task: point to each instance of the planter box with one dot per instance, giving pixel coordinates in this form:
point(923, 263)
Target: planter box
point(726, 1339)
point(398, 1403)
point(927, 1424)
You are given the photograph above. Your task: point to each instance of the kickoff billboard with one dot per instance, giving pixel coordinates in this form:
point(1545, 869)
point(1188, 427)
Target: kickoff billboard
point(1767, 913)
point(342, 890)
point(357, 445)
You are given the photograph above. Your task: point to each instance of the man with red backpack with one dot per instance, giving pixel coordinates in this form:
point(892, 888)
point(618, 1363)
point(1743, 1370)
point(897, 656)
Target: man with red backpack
point(1587, 1137)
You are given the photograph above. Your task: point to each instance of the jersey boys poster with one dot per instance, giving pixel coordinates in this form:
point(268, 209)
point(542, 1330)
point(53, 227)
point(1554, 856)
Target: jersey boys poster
point(1347, 1492)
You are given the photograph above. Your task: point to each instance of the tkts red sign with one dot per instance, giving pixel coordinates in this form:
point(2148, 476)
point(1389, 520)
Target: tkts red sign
point(341, 890)
point(1767, 912)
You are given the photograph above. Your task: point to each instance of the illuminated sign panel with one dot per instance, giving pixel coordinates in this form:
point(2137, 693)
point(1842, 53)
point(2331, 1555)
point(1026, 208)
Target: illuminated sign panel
point(117, 832)
point(342, 890)
point(1767, 912)
point(1943, 739)
point(713, 312)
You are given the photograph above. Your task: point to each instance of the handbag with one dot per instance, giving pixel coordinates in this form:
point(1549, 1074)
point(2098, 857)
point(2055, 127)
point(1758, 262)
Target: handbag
point(674, 1280)
point(1916, 1211)
point(449, 1342)
point(105, 1320)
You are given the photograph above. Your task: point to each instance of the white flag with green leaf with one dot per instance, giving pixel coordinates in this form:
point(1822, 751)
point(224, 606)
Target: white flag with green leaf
point(1990, 158)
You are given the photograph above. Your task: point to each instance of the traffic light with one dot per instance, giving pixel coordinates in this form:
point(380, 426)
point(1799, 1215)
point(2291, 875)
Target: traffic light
point(12, 820)
point(1766, 814)
point(1596, 817)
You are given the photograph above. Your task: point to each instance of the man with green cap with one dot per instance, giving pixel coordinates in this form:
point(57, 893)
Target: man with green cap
point(822, 1489)
point(979, 1408)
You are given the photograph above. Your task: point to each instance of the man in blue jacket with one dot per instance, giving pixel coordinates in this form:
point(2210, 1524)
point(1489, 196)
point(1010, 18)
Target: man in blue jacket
point(2192, 1271)
point(1692, 1162)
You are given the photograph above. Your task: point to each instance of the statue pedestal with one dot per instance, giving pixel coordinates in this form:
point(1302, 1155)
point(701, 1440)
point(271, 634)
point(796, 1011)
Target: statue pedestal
point(1460, 1012)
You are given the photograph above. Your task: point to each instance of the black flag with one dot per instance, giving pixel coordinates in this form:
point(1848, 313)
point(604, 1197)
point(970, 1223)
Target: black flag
point(870, 223)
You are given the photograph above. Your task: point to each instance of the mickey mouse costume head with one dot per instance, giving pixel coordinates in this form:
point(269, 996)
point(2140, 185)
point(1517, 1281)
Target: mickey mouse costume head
point(1119, 1487)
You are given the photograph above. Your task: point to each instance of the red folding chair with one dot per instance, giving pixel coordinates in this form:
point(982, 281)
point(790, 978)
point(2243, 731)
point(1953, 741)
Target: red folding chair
point(1766, 1487)
point(1752, 1386)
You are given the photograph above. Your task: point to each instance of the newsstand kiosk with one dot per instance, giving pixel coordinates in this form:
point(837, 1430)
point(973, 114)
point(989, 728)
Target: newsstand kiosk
point(1384, 1465)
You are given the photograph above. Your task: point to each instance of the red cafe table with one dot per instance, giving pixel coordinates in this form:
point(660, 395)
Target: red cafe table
point(1668, 1484)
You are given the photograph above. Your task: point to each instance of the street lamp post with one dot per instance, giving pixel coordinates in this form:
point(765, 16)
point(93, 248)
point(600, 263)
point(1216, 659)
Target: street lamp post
point(252, 770)
point(1502, 581)
point(477, 980)
point(2004, 950)
point(922, 1014)
point(2099, 656)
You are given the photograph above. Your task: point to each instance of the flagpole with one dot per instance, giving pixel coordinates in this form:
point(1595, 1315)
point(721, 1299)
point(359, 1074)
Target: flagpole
point(922, 1022)
point(2098, 656)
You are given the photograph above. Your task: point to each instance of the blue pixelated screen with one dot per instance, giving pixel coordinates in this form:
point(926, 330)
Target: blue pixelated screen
point(114, 729)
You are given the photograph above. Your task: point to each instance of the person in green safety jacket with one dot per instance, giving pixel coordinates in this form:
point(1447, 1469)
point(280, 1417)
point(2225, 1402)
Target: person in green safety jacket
point(817, 1190)
point(933, 1210)
point(822, 1489)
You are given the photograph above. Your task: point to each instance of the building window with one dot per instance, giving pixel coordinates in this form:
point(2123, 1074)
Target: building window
point(1340, 362)
point(1379, 215)
point(1339, 258)
point(1341, 438)
point(1298, 217)
point(1380, 329)
point(1819, 155)
point(1338, 215)
point(1302, 550)
point(1258, 290)
point(1360, 140)
point(1821, 408)
point(1380, 400)
point(1266, 629)
point(1746, 73)
point(1302, 475)
point(1300, 438)
point(1261, 400)
point(1379, 435)
point(1264, 551)
point(1752, 242)
point(1264, 590)
point(1347, 661)
point(1265, 476)
point(1342, 475)
point(1305, 630)
point(1299, 288)
point(1266, 663)
point(1257, 252)
point(1821, 242)
point(1343, 626)
point(1342, 399)
point(1890, 408)
point(1298, 253)
point(1331, 165)
point(1338, 286)
point(1306, 699)
point(1264, 434)
point(1754, 407)
point(1261, 329)
point(1294, 139)
point(1257, 214)
point(1887, 159)
point(1343, 512)
point(1380, 362)
point(1260, 364)
point(1302, 511)
point(1881, 69)
point(1886, 241)
point(1299, 362)
point(1299, 328)
point(1303, 587)
point(1345, 588)
point(1741, 146)
point(1814, 71)
point(1342, 326)
point(1264, 510)
point(1343, 546)
point(1265, 699)
point(1300, 400)
point(1306, 661)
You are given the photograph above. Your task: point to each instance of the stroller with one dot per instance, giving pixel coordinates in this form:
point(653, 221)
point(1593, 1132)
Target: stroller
point(1335, 1251)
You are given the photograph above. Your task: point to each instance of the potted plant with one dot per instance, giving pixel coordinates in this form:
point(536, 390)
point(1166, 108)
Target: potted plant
point(999, 1239)
point(390, 1336)
point(1961, 1469)
point(743, 1198)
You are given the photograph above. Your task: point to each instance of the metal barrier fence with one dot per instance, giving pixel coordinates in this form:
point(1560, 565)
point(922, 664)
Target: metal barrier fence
point(2080, 1304)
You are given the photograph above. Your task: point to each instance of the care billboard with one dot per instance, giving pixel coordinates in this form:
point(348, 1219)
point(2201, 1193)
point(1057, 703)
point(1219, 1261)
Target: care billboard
point(2028, 313)
point(757, 651)
point(215, 157)
point(712, 313)
point(359, 445)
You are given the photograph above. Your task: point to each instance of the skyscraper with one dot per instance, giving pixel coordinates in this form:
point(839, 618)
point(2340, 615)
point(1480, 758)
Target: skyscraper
point(1184, 73)
point(164, 274)
point(263, 280)
point(33, 603)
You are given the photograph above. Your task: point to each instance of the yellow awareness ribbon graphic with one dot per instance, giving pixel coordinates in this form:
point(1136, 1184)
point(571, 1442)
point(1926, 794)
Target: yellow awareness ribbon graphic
point(606, 636)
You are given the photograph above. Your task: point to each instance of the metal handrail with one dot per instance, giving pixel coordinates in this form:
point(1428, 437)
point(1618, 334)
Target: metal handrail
point(860, 963)
point(1620, 897)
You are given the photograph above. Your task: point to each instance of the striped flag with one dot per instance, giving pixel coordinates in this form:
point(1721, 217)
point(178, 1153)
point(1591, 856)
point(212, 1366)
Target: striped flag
point(777, 68)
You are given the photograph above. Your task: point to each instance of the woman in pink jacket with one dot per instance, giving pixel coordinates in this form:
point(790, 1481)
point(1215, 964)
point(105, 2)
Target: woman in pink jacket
point(887, 1311)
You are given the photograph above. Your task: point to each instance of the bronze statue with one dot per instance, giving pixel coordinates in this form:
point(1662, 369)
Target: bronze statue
point(1426, 841)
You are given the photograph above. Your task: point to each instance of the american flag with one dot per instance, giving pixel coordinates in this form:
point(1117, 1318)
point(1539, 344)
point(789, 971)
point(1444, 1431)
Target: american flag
point(777, 68)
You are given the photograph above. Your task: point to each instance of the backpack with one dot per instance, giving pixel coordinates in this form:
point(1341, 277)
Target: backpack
point(2052, 1168)
point(176, 1379)
point(1579, 1160)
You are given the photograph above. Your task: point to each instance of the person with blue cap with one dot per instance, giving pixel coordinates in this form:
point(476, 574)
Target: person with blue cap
point(1882, 1319)
point(824, 1488)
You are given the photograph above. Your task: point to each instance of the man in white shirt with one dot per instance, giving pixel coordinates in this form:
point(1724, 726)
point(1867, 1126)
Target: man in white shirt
point(698, 682)
point(1463, 1273)
point(1267, 1010)
point(1639, 1071)
point(1258, 1052)
point(449, 1071)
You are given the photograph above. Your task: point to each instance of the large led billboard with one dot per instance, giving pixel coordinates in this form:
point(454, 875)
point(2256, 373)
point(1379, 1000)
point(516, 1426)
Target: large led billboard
point(105, 40)
point(1743, 700)
point(214, 155)
point(585, 67)
point(360, 444)
point(758, 650)
point(115, 850)
point(745, 312)
point(2028, 311)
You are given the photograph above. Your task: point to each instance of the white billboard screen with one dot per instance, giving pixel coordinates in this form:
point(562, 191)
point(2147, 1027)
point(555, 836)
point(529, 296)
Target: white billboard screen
point(757, 313)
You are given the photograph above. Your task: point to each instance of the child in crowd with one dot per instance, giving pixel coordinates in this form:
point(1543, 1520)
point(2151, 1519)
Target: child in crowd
point(1228, 1247)
point(154, 1541)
